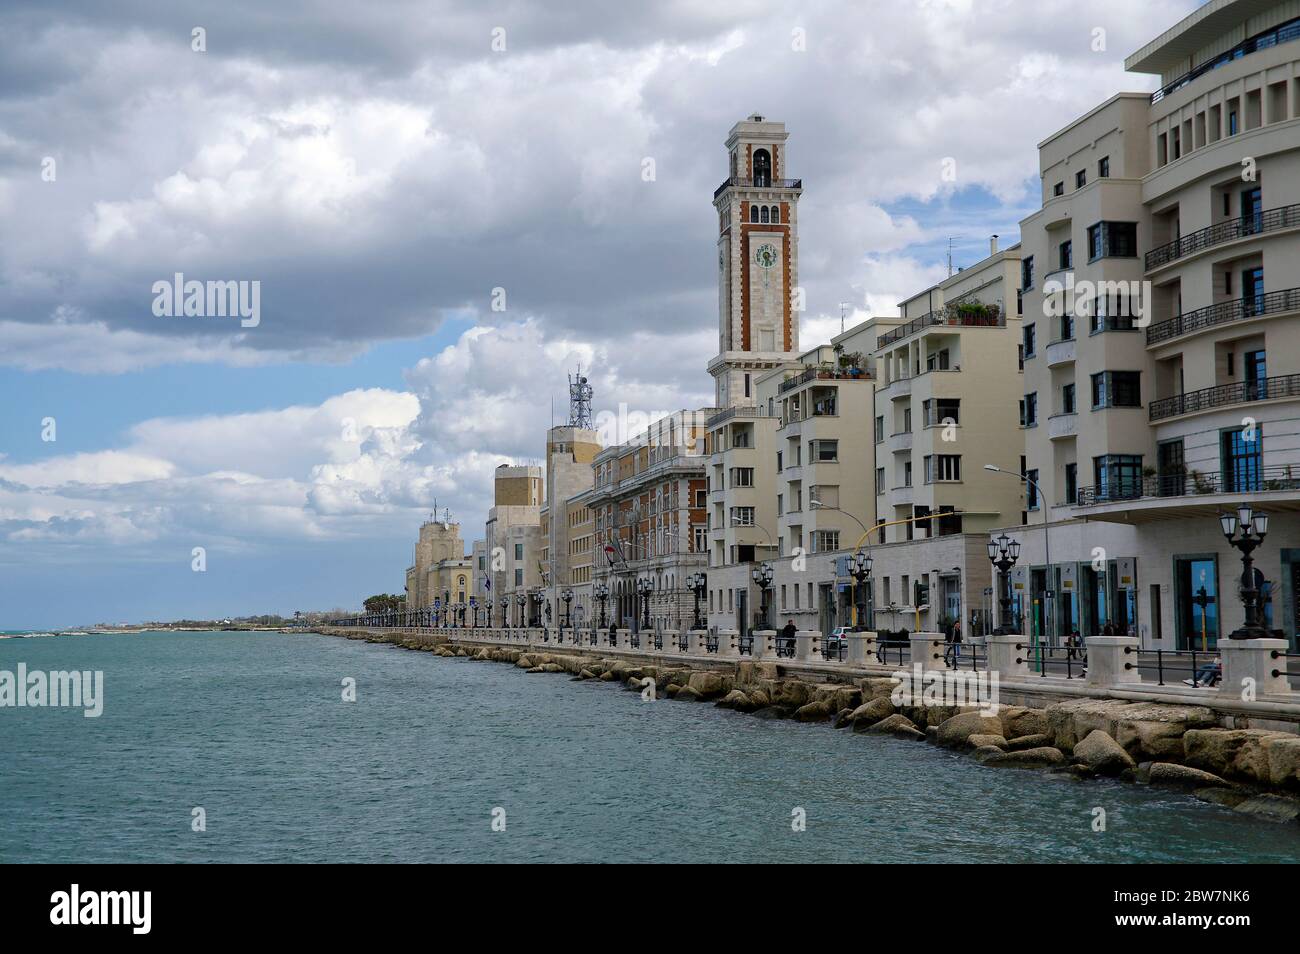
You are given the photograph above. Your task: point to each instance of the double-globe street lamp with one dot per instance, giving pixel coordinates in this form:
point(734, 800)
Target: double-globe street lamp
point(860, 570)
point(601, 592)
point(520, 601)
point(696, 583)
point(644, 587)
point(1246, 530)
point(1003, 554)
point(762, 575)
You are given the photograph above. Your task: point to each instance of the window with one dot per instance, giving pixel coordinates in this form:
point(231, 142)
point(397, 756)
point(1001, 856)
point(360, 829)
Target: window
point(519, 551)
point(1071, 483)
point(907, 474)
point(937, 361)
point(1031, 410)
point(1080, 178)
point(1031, 490)
point(1116, 389)
point(701, 499)
point(880, 428)
point(823, 541)
point(1058, 189)
point(1243, 460)
point(753, 214)
point(780, 504)
point(1103, 167)
point(1020, 355)
point(742, 476)
point(1112, 240)
point(1117, 476)
point(763, 214)
point(942, 467)
point(1067, 398)
point(1110, 312)
point(778, 462)
point(880, 481)
point(824, 450)
point(1067, 327)
point(1031, 339)
point(701, 535)
point(939, 412)
point(519, 577)
point(1027, 273)
point(742, 516)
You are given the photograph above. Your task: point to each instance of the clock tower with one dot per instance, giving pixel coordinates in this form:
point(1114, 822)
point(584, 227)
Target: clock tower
point(758, 261)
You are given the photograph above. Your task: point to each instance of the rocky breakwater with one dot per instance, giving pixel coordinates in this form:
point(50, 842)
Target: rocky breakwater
point(1253, 771)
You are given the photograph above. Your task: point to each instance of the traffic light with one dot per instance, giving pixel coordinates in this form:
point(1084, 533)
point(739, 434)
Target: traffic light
point(922, 594)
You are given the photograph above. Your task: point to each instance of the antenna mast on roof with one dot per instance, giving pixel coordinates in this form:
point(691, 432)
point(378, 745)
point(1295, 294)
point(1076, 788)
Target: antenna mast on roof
point(580, 393)
point(844, 308)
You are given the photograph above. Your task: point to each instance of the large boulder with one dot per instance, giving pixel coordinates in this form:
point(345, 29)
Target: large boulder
point(978, 741)
point(957, 730)
point(1280, 808)
point(1036, 741)
point(1103, 754)
point(1018, 720)
point(737, 700)
point(877, 687)
point(524, 662)
point(793, 692)
point(1182, 776)
point(1283, 761)
point(1152, 730)
point(814, 712)
point(708, 685)
point(871, 712)
point(899, 725)
point(685, 693)
point(1233, 753)
point(837, 695)
point(1044, 757)
point(1072, 720)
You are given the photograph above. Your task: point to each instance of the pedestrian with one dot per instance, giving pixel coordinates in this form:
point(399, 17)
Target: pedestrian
point(947, 644)
point(1072, 644)
point(613, 633)
point(956, 644)
point(787, 637)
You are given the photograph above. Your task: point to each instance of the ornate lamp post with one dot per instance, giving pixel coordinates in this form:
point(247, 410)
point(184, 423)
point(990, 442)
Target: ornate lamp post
point(762, 575)
point(437, 610)
point(473, 605)
point(537, 609)
point(1246, 530)
point(696, 583)
point(567, 596)
point(1003, 554)
point(644, 587)
point(505, 612)
point(601, 592)
point(520, 600)
point(860, 570)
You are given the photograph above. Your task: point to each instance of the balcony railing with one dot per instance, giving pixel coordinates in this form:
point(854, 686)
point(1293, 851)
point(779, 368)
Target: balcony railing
point(1224, 395)
point(1225, 312)
point(747, 410)
point(1280, 34)
point(934, 318)
point(1270, 220)
point(758, 182)
point(1192, 483)
point(823, 374)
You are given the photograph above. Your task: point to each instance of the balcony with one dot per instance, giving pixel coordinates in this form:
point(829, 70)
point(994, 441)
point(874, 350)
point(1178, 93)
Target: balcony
point(1060, 352)
point(897, 388)
point(1062, 426)
point(823, 374)
point(969, 315)
point(901, 442)
point(1225, 395)
point(758, 182)
point(1270, 220)
point(746, 411)
point(1260, 480)
point(1225, 312)
point(1281, 34)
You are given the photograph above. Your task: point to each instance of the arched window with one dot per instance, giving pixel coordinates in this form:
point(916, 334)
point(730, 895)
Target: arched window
point(764, 215)
point(753, 213)
point(776, 213)
point(762, 167)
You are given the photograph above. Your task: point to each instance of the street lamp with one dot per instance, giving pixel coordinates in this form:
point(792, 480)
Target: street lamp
point(567, 596)
point(762, 575)
point(473, 605)
point(696, 584)
point(1003, 554)
point(505, 611)
point(601, 592)
point(644, 587)
point(1049, 594)
point(860, 570)
point(1246, 530)
point(520, 600)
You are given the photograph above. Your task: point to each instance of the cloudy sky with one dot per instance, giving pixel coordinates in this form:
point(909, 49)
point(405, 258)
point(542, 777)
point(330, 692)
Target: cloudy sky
point(380, 169)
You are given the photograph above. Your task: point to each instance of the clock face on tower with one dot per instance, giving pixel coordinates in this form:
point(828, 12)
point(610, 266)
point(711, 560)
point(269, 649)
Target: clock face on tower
point(765, 256)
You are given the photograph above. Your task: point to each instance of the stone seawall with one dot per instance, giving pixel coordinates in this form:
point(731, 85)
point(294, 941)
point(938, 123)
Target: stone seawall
point(1185, 746)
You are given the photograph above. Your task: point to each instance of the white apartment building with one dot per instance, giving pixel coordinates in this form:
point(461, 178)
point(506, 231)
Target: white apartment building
point(1152, 408)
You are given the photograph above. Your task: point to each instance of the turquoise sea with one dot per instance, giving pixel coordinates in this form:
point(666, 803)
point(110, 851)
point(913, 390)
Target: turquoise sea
point(252, 728)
